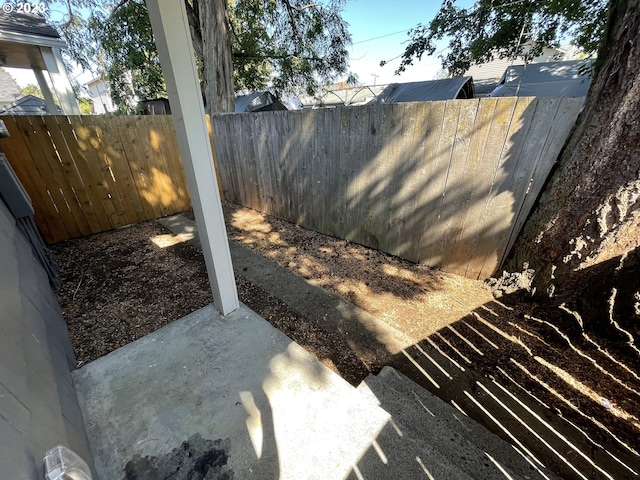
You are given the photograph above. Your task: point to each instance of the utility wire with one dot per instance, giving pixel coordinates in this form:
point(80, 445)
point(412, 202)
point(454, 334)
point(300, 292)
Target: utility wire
point(459, 16)
point(381, 36)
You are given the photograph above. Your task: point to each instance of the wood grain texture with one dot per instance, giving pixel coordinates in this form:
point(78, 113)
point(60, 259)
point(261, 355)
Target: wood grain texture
point(90, 174)
point(441, 183)
point(448, 184)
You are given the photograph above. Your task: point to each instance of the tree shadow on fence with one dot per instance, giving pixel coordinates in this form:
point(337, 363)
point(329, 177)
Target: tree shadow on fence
point(447, 184)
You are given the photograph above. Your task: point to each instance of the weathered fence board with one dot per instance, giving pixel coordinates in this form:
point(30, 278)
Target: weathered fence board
point(448, 184)
point(94, 173)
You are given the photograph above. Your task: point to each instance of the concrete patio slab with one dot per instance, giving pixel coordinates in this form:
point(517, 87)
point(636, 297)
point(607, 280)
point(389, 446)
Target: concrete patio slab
point(273, 409)
point(371, 338)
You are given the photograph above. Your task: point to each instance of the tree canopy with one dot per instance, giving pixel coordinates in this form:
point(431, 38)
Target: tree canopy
point(299, 45)
point(128, 56)
point(505, 29)
point(286, 45)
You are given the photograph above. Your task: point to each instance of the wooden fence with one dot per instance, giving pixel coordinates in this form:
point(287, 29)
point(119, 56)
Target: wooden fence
point(447, 184)
point(94, 173)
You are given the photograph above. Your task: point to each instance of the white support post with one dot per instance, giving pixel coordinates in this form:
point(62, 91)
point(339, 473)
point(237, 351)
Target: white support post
point(46, 92)
point(173, 40)
point(52, 58)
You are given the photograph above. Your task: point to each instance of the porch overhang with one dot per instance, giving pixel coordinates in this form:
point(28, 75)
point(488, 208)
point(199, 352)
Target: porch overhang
point(27, 41)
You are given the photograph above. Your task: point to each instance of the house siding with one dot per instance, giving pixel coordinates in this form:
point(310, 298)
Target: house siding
point(38, 404)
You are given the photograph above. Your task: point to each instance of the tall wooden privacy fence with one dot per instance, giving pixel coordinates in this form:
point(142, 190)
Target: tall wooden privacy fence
point(448, 184)
point(94, 173)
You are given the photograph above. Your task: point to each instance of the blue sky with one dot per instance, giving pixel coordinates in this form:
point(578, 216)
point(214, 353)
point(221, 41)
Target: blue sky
point(369, 19)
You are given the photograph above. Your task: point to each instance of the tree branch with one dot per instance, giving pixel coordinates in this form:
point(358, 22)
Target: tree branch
point(292, 22)
point(120, 4)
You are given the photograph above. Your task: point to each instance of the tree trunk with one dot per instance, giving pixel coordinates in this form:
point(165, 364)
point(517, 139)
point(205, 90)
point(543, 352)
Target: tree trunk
point(217, 64)
point(586, 227)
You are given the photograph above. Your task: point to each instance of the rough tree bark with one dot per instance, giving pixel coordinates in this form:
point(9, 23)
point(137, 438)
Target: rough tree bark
point(582, 239)
point(209, 24)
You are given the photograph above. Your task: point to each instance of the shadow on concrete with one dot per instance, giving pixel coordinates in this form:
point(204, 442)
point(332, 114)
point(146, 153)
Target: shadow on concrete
point(235, 381)
point(565, 395)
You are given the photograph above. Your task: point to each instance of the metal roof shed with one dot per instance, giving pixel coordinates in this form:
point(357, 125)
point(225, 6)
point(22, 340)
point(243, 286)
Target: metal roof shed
point(549, 79)
point(258, 102)
point(447, 89)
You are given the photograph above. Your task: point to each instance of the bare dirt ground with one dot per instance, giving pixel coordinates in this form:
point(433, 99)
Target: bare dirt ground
point(120, 285)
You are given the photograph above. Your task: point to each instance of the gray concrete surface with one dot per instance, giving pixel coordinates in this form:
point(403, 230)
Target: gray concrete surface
point(236, 395)
point(435, 431)
point(236, 390)
point(236, 380)
point(365, 334)
point(38, 405)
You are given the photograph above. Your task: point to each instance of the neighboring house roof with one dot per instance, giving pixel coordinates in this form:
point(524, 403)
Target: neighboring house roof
point(549, 79)
point(494, 69)
point(258, 102)
point(447, 89)
point(9, 90)
point(27, 105)
point(486, 75)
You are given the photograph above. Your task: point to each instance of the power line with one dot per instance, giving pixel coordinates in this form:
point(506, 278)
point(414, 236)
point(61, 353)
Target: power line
point(381, 36)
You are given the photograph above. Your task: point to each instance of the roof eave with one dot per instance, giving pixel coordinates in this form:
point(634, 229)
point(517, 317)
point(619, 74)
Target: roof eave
point(38, 40)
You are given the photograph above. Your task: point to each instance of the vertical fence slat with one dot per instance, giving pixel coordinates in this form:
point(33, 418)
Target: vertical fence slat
point(160, 187)
point(116, 171)
point(499, 211)
point(131, 143)
point(480, 226)
point(476, 183)
point(407, 225)
point(114, 197)
point(437, 226)
point(86, 141)
point(356, 187)
point(20, 159)
point(434, 161)
point(32, 134)
point(48, 164)
point(216, 165)
point(123, 168)
point(458, 182)
point(442, 183)
point(173, 153)
point(220, 128)
point(85, 170)
point(72, 175)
